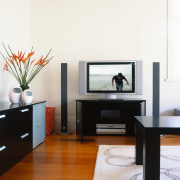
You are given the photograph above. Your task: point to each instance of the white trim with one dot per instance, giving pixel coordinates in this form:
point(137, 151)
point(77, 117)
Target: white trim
point(172, 80)
point(173, 46)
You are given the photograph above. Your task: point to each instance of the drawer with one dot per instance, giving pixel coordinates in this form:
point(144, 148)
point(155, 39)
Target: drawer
point(7, 125)
point(23, 121)
point(7, 157)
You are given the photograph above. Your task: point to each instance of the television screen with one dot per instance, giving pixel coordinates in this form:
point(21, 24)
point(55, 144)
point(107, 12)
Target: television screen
point(112, 77)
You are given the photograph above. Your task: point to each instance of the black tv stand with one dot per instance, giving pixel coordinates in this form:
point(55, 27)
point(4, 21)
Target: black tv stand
point(110, 99)
point(108, 116)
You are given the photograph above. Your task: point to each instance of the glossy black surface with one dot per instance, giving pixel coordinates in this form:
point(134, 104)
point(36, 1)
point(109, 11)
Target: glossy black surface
point(161, 122)
point(90, 112)
point(8, 105)
point(109, 99)
point(15, 133)
point(148, 131)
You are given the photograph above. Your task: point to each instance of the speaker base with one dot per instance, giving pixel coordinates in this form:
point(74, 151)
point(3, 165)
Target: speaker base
point(64, 133)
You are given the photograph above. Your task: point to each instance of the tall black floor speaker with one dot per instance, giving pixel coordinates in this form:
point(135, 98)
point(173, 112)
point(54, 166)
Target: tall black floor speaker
point(156, 90)
point(64, 105)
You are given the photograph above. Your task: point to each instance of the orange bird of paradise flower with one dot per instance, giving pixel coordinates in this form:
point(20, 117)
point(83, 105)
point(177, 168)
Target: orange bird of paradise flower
point(22, 67)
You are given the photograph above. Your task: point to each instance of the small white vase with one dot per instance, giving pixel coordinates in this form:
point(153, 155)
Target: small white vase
point(15, 94)
point(27, 96)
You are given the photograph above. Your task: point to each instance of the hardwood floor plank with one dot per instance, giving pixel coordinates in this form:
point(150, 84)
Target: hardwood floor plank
point(63, 157)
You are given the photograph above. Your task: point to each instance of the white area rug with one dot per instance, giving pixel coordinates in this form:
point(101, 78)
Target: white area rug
point(115, 162)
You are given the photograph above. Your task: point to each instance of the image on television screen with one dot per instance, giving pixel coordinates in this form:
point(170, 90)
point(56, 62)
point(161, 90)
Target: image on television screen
point(111, 77)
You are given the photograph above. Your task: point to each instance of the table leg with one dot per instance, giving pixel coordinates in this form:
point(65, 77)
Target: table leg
point(151, 156)
point(139, 146)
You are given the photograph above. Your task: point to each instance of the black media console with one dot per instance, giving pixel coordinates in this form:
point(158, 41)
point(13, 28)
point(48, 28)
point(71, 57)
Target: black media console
point(108, 116)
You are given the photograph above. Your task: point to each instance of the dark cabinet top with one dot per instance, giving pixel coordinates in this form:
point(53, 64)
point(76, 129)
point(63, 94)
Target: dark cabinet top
point(7, 105)
point(160, 122)
point(110, 100)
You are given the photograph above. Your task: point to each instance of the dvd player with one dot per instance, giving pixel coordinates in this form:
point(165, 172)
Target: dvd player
point(110, 128)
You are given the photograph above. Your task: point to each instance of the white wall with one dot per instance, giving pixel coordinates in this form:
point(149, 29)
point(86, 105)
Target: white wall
point(94, 30)
point(15, 31)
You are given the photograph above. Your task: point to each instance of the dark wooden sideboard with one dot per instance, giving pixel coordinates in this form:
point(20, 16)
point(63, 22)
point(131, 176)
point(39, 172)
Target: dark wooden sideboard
point(108, 116)
point(16, 133)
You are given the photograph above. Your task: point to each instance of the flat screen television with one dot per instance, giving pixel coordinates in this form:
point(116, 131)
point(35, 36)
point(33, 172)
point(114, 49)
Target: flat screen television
point(111, 77)
point(97, 77)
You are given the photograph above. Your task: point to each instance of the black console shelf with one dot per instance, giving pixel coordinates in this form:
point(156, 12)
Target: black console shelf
point(108, 116)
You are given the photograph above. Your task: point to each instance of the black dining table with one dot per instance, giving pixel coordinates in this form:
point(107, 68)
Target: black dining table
point(148, 133)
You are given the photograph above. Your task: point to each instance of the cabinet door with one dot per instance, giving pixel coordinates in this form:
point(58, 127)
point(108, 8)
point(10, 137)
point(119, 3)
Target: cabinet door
point(79, 118)
point(6, 141)
point(130, 110)
point(38, 124)
point(23, 131)
point(90, 115)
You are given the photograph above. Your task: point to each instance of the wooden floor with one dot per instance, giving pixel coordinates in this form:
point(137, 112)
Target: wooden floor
point(63, 157)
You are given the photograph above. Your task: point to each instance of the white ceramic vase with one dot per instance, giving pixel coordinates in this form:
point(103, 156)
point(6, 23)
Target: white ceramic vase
point(15, 94)
point(27, 96)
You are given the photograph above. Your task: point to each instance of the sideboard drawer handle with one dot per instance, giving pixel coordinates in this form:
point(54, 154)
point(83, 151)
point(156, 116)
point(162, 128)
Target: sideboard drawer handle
point(2, 148)
point(24, 135)
point(2, 116)
point(24, 110)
